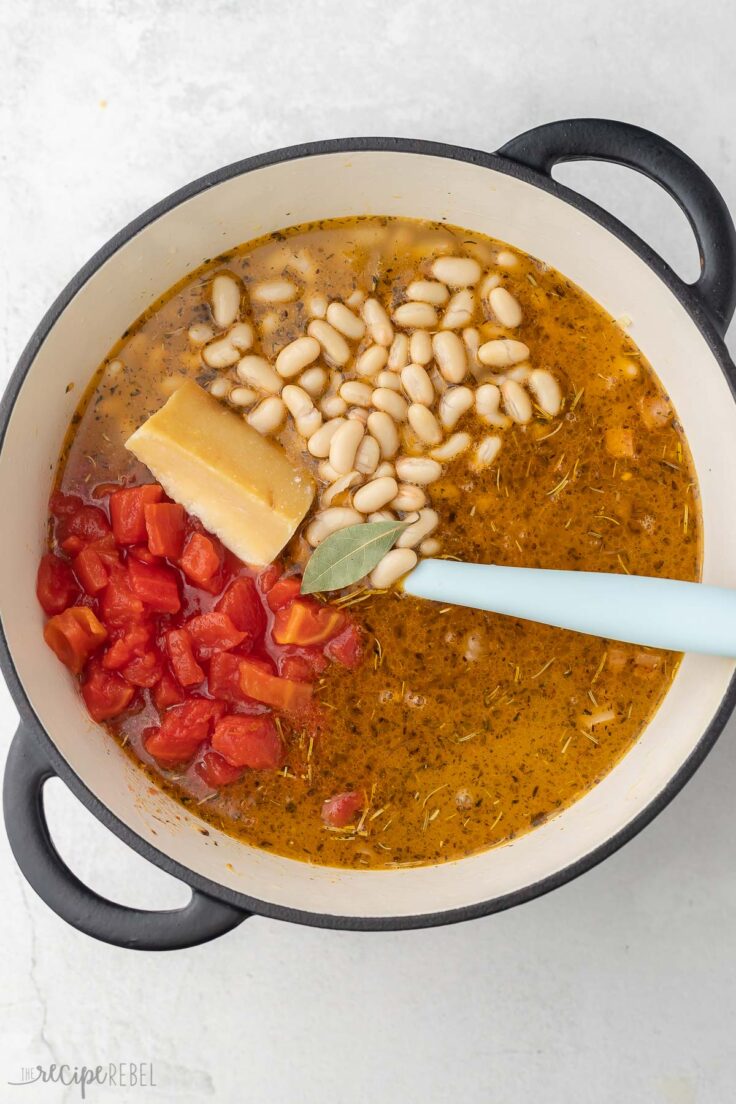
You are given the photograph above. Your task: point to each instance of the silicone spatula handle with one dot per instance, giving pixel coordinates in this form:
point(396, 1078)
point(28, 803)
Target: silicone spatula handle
point(661, 613)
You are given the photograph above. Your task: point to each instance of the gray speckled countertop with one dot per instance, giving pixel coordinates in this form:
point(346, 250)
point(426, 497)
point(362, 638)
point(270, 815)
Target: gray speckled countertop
point(617, 988)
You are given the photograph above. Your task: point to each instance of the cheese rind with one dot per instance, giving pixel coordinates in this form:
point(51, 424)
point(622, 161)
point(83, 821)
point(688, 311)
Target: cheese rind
point(241, 486)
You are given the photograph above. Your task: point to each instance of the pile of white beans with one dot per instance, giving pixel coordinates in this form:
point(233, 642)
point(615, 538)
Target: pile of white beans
point(380, 399)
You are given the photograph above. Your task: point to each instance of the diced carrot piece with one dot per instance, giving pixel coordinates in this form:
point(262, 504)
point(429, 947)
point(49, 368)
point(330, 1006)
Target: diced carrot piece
point(74, 635)
point(165, 522)
point(305, 622)
point(286, 695)
point(90, 570)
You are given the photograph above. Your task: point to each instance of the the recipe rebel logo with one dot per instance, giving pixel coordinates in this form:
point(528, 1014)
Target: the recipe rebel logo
point(113, 1075)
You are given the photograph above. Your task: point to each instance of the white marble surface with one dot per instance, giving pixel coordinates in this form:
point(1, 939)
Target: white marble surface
point(619, 987)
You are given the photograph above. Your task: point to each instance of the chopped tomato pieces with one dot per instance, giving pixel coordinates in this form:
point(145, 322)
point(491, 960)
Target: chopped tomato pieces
point(268, 576)
point(249, 742)
point(156, 585)
point(133, 640)
point(74, 635)
point(118, 604)
point(143, 553)
point(306, 622)
point(106, 695)
point(64, 505)
point(340, 810)
point(201, 561)
point(167, 692)
point(213, 632)
point(286, 695)
point(181, 653)
point(86, 524)
point(242, 604)
point(223, 680)
point(90, 570)
point(56, 587)
point(127, 512)
point(304, 664)
point(216, 771)
point(284, 591)
point(144, 670)
point(165, 523)
point(183, 728)
point(347, 648)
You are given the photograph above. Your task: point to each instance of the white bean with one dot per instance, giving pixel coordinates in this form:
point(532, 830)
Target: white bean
point(505, 307)
point(345, 322)
point(516, 402)
point(371, 360)
point(268, 415)
point(317, 306)
point(332, 406)
point(420, 348)
point(487, 450)
point(503, 352)
point(200, 333)
point(308, 424)
point(546, 391)
point(314, 381)
point(417, 384)
point(274, 291)
point(355, 299)
point(507, 259)
point(450, 355)
point(416, 315)
point(368, 456)
point(257, 372)
point(357, 393)
point(418, 469)
point(378, 322)
point(326, 472)
point(330, 521)
point(408, 497)
point(489, 282)
point(428, 291)
point(375, 494)
point(220, 387)
point(391, 402)
point(394, 564)
point(453, 447)
point(424, 424)
point(358, 414)
point(383, 428)
point(225, 300)
point(297, 401)
point(460, 310)
point(335, 346)
point(488, 405)
point(437, 380)
point(392, 380)
point(398, 354)
point(344, 445)
point(455, 402)
point(295, 356)
point(385, 467)
point(471, 340)
point(430, 547)
point(520, 373)
point(320, 441)
point(241, 336)
point(342, 484)
point(220, 354)
point(456, 272)
point(382, 515)
point(243, 396)
point(414, 534)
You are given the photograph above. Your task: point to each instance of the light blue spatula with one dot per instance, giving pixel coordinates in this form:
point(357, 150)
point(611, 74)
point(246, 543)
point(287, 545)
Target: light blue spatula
point(661, 613)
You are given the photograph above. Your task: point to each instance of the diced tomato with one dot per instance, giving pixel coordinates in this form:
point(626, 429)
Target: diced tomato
point(340, 810)
point(156, 585)
point(165, 523)
point(347, 648)
point(106, 549)
point(223, 680)
point(167, 692)
point(127, 512)
point(249, 741)
point(241, 602)
point(183, 661)
point(118, 604)
point(305, 622)
point(183, 728)
point(104, 490)
point(64, 505)
point(303, 664)
point(268, 576)
point(90, 570)
point(56, 587)
point(211, 633)
point(72, 545)
point(144, 670)
point(143, 554)
point(284, 591)
point(133, 640)
point(86, 524)
point(283, 694)
point(201, 561)
point(106, 695)
point(74, 635)
point(216, 771)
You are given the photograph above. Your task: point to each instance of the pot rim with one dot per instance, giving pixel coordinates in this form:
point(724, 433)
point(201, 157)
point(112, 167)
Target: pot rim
point(688, 300)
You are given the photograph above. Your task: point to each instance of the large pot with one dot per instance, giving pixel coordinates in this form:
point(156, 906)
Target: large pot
point(508, 195)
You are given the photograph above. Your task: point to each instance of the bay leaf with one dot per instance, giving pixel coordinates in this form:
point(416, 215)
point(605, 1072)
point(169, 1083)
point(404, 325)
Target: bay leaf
point(347, 555)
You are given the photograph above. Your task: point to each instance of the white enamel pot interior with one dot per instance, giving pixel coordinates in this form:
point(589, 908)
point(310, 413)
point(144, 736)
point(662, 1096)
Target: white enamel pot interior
point(479, 193)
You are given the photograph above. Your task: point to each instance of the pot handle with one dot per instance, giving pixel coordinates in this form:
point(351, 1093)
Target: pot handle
point(202, 919)
point(623, 144)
